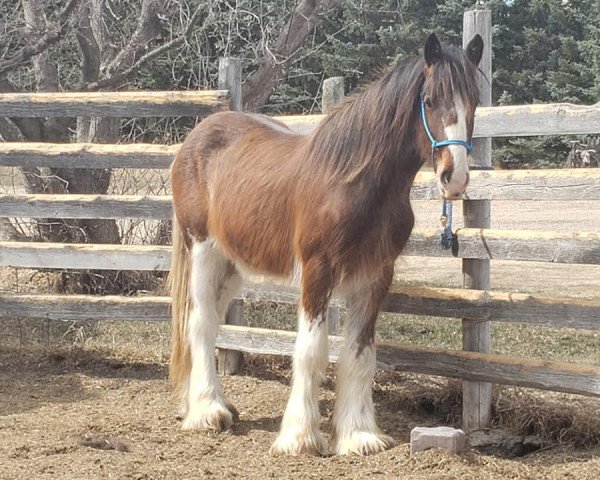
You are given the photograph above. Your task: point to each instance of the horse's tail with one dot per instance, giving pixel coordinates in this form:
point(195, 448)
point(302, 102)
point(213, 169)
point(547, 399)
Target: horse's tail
point(179, 282)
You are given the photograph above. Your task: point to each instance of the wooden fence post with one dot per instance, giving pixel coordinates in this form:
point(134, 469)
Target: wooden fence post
point(230, 78)
point(333, 93)
point(477, 396)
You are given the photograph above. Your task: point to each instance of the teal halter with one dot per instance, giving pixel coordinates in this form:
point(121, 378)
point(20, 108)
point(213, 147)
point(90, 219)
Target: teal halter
point(434, 143)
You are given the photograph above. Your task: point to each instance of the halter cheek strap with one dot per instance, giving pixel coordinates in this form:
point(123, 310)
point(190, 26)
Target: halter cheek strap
point(434, 143)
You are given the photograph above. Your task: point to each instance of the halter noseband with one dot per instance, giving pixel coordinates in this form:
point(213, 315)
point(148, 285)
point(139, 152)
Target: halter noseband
point(434, 143)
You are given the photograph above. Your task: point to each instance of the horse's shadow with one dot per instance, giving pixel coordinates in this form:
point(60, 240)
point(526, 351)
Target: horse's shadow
point(243, 427)
point(271, 424)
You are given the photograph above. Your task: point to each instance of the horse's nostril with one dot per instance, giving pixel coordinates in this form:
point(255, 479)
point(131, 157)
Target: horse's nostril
point(446, 176)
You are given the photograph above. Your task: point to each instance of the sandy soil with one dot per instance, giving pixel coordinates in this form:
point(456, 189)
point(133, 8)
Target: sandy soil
point(80, 415)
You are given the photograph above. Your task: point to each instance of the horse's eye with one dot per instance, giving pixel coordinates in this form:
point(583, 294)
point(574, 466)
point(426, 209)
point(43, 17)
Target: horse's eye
point(427, 102)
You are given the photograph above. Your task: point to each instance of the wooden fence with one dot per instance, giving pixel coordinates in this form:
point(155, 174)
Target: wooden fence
point(475, 244)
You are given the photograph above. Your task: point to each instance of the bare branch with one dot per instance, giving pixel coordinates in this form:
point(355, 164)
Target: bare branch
point(88, 44)
point(120, 77)
point(271, 70)
point(147, 29)
point(42, 43)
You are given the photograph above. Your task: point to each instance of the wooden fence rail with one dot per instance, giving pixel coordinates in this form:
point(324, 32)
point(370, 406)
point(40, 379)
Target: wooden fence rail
point(86, 155)
point(86, 206)
point(436, 302)
point(556, 376)
point(551, 184)
point(509, 121)
point(472, 243)
point(114, 104)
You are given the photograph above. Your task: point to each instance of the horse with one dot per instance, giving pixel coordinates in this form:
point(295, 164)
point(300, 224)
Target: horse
point(328, 211)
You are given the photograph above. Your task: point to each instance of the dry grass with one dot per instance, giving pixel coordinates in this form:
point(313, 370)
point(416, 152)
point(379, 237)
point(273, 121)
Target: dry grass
point(554, 418)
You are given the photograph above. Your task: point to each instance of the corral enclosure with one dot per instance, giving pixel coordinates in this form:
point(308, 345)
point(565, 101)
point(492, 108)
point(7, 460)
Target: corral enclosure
point(476, 246)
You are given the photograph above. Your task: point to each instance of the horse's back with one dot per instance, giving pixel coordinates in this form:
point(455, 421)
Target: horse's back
point(233, 180)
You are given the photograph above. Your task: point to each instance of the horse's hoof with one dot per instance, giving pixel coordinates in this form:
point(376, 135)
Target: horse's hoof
point(362, 443)
point(214, 417)
point(297, 444)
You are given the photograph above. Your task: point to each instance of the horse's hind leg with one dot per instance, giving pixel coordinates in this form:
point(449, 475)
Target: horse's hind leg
point(355, 428)
point(300, 427)
point(214, 281)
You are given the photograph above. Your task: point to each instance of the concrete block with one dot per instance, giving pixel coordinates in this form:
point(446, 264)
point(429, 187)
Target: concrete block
point(446, 438)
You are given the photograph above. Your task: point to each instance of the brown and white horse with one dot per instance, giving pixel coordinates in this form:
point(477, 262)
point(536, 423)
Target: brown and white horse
point(329, 211)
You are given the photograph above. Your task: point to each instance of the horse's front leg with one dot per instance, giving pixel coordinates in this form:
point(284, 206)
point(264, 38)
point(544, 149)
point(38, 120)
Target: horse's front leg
point(300, 427)
point(355, 428)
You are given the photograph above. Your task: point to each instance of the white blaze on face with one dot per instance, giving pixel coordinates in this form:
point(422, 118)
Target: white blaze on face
point(458, 131)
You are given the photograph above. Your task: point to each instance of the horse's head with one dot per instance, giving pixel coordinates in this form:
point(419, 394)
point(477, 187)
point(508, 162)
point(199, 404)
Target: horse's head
point(447, 105)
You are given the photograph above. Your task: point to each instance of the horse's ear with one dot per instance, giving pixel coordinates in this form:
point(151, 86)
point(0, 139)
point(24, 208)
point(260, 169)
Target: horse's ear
point(433, 49)
point(475, 49)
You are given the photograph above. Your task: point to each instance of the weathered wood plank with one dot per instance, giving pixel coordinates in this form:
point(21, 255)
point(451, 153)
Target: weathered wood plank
point(101, 206)
point(476, 334)
point(301, 123)
point(482, 244)
point(86, 206)
point(493, 305)
point(518, 120)
point(554, 184)
point(473, 366)
point(508, 121)
point(84, 256)
point(113, 104)
point(116, 307)
point(333, 94)
point(482, 367)
point(510, 307)
point(71, 308)
point(490, 244)
point(537, 119)
point(86, 155)
point(230, 78)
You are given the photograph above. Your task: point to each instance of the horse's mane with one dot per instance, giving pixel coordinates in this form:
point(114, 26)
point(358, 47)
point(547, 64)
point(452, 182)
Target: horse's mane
point(375, 124)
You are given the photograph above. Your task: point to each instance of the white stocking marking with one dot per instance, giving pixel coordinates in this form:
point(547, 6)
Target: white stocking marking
point(300, 426)
point(211, 279)
point(355, 428)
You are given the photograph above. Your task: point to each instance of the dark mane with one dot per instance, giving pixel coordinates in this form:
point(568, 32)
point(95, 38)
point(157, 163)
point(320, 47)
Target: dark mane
point(356, 137)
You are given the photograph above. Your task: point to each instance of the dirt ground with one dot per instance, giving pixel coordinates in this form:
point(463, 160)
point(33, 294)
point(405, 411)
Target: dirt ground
point(85, 413)
point(81, 415)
